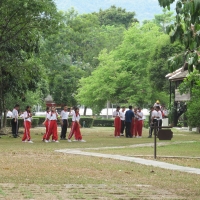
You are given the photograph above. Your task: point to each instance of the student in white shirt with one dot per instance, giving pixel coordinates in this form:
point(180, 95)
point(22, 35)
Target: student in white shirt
point(117, 122)
point(14, 121)
point(139, 115)
point(53, 126)
point(46, 123)
point(64, 122)
point(75, 128)
point(159, 116)
point(122, 118)
point(27, 125)
point(154, 121)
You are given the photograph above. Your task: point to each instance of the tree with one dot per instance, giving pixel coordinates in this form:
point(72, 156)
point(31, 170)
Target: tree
point(186, 29)
point(116, 16)
point(21, 25)
point(122, 74)
point(164, 19)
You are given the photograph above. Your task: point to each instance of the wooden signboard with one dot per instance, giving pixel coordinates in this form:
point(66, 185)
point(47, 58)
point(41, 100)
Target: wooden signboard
point(181, 97)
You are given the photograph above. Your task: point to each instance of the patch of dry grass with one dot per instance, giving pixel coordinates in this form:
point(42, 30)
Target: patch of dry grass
point(36, 171)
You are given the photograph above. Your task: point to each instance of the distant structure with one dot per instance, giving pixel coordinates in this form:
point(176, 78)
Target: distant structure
point(179, 101)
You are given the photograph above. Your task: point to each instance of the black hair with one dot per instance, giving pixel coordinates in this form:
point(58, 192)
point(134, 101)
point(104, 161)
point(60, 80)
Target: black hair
point(130, 107)
point(16, 105)
point(27, 107)
point(47, 108)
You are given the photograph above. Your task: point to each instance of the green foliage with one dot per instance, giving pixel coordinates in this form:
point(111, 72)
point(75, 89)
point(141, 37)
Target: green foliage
point(41, 119)
point(186, 29)
point(192, 84)
point(103, 123)
point(86, 121)
point(35, 122)
point(116, 16)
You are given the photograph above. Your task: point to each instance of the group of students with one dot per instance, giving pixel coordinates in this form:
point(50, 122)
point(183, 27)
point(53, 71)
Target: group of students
point(130, 120)
point(50, 124)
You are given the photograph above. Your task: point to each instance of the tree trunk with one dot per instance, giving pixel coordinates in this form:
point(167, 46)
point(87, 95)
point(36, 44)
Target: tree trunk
point(1, 99)
point(85, 109)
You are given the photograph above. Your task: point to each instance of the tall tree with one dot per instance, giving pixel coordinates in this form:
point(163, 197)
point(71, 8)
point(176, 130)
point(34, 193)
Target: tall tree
point(186, 29)
point(21, 24)
point(116, 16)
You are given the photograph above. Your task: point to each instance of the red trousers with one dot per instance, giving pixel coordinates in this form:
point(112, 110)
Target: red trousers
point(139, 127)
point(133, 127)
point(117, 124)
point(75, 130)
point(47, 125)
point(52, 130)
point(27, 126)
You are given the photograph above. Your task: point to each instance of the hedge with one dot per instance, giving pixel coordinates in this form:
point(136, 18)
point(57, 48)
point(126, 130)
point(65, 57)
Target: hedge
point(21, 122)
point(84, 121)
point(103, 123)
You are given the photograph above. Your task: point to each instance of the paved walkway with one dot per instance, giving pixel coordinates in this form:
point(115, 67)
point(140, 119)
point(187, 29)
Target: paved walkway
point(142, 161)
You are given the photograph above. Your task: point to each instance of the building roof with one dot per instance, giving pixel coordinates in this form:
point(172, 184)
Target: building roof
point(179, 74)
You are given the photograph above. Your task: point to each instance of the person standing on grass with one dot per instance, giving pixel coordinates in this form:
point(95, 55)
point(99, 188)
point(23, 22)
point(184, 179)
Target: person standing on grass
point(27, 124)
point(75, 127)
point(159, 116)
point(154, 121)
point(14, 121)
point(139, 116)
point(150, 122)
point(64, 122)
point(46, 123)
point(122, 118)
point(117, 122)
point(129, 115)
point(52, 126)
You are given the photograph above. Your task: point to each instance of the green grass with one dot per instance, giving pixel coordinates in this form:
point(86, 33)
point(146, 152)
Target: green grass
point(38, 167)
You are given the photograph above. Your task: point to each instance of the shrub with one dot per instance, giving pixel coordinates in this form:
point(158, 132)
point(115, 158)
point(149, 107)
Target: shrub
point(20, 122)
point(86, 121)
point(40, 119)
point(34, 122)
point(103, 123)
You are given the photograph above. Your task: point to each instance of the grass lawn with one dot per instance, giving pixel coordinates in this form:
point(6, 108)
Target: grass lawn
point(36, 171)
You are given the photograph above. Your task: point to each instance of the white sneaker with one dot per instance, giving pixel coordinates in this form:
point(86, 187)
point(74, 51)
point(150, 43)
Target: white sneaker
point(57, 141)
point(24, 141)
point(75, 140)
point(30, 141)
point(82, 141)
point(53, 140)
point(139, 136)
point(46, 141)
point(69, 140)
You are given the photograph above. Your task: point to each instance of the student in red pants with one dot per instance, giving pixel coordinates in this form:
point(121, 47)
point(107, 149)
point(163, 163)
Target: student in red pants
point(135, 123)
point(46, 123)
point(52, 126)
point(27, 125)
point(75, 128)
point(139, 115)
point(117, 121)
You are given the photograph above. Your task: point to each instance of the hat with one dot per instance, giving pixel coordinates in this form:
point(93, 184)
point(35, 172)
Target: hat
point(157, 101)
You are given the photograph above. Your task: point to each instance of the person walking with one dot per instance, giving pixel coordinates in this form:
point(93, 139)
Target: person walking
point(159, 117)
point(14, 121)
point(53, 126)
point(150, 122)
point(139, 115)
point(27, 125)
point(75, 127)
point(122, 118)
point(64, 122)
point(46, 123)
point(129, 115)
point(117, 122)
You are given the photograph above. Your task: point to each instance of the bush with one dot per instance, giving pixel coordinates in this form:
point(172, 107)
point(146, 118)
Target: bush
point(103, 123)
point(41, 119)
point(20, 121)
point(146, 124)
point(34, 122)
point(86, 121)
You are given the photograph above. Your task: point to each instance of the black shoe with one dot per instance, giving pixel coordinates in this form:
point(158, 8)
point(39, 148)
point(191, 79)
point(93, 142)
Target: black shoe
point(150, 136)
